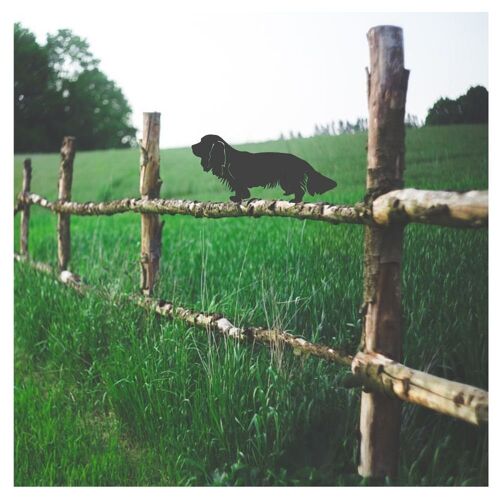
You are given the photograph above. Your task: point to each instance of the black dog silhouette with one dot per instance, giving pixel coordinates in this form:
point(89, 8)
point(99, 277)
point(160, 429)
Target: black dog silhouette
point(241, 170)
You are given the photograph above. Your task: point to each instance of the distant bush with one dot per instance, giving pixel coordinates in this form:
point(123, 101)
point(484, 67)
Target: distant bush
point(469, 108)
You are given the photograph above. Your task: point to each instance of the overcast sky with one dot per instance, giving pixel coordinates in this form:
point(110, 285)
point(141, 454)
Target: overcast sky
point(249, 77)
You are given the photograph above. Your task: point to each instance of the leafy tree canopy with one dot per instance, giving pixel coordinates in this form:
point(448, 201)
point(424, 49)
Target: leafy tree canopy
point(59, 90)
point(471, 107)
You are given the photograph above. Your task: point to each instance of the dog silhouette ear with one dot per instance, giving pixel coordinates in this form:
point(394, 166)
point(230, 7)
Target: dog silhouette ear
point(217, 156)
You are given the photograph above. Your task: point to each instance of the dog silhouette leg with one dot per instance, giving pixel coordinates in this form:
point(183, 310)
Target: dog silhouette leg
point(288, 185)
point(299, 194)
point(240, 194)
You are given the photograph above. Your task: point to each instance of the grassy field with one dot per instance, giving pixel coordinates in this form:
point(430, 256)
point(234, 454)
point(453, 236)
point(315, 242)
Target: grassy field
point(106, 394)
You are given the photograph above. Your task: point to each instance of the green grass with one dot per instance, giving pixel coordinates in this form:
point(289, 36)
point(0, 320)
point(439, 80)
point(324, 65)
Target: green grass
point(105, 394)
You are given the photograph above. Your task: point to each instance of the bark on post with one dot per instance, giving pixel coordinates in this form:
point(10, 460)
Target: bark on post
point(25, 213)
point(63, 220)
point(150, 184)
point(387, 84)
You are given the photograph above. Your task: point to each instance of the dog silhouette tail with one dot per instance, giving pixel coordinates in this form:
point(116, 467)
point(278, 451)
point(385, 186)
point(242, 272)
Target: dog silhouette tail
point(318, 183)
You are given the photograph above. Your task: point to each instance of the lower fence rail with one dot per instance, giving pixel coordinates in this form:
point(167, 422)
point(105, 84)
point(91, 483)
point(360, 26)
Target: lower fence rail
point(371, 371)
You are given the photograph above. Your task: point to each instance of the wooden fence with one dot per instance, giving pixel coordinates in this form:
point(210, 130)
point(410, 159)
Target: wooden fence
point(386, 210)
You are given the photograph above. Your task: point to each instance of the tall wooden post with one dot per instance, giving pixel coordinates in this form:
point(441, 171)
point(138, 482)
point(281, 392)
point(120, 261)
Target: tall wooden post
point(387, 83)
point(63, 220)
point(25, 213)
point(150, 184)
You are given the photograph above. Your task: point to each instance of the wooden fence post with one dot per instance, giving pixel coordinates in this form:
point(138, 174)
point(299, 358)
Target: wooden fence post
point(25, 212)
point(63, 220)
point(387, 83)
point(150, 183)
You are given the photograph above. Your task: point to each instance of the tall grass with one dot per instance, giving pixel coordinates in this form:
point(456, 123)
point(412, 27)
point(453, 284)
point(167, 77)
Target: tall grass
point(106, 394)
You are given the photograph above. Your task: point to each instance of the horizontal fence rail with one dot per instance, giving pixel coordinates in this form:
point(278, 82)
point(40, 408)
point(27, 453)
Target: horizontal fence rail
point(372, 371)
point(357, 214)
point(413, 386)
point(445, 208)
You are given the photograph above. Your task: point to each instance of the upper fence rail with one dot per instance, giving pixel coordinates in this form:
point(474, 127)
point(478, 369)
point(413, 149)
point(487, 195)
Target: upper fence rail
point(445, 208)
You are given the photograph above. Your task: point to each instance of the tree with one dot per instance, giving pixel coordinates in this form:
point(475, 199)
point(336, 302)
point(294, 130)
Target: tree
point(69, 55)
point(96, 112)
point(412, 121)
point(469, 108)
point(474, 105)
point(59, 90)
point(32, 74)
point(444, 112)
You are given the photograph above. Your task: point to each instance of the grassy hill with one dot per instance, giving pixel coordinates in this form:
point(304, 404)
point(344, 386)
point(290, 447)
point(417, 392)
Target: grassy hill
point(106, 394)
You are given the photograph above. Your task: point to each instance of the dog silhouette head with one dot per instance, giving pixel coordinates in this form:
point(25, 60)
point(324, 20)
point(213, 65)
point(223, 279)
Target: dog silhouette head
point(212, 151)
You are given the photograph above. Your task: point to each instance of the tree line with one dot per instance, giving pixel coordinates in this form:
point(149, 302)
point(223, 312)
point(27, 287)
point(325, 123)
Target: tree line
point(59, 90)
point(346, 127)
point(472, 107)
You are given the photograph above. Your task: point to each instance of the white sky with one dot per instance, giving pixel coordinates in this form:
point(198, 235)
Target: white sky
point(250, 76)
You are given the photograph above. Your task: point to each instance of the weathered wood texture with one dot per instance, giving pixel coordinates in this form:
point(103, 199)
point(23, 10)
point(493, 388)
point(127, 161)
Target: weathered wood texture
point(222, 325)
point(467, 210)
point(444, 396)
point(66, 277)
point(387, 84)
point(63, 221)
point(25, 213)
point(374, 371)
point(150, 184)
point(334, 214)
point(446, 208)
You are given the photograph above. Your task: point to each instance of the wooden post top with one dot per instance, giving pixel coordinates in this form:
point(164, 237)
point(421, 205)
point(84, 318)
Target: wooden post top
point(68, 148)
